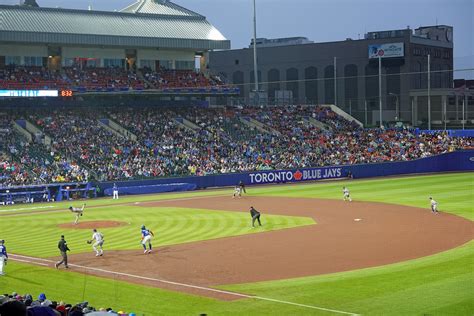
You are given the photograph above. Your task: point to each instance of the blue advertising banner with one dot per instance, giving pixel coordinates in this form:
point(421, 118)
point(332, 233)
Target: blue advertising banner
point(455, 161)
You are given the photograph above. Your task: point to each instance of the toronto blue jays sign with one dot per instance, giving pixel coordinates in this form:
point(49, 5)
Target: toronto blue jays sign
point(296, 175)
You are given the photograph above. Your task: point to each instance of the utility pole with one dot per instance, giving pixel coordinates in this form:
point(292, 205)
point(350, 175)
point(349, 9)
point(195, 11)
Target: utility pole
point(380, 92)
point(335, 80)
point(429, 92)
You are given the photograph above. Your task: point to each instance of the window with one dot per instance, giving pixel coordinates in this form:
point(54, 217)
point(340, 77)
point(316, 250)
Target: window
point(33, 61)
point(148, 63)
point(166, 64)
point(236, 61)
point(12, 60)
point(111, 63)
point(184, 64)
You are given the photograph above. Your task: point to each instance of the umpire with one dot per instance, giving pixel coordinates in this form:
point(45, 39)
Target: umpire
point(255, 216)
point(242, 186)
point(63, 248)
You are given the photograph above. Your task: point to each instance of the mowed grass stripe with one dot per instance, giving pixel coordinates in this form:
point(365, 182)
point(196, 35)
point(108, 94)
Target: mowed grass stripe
point(171, 226)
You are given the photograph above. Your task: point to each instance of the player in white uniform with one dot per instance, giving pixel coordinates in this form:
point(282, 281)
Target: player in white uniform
point(78, 211)
point(115, 192)
point(434, 205)
point(99, 241)
point(346, 194)
point(146, 238)
point(3, 256)
point(237, 192)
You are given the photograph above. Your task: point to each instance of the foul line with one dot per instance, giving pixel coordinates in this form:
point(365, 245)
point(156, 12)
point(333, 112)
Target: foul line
point(26, 208)
point(34, 261)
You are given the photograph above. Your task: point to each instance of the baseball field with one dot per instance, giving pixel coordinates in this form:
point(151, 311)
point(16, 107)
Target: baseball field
point(385, 253)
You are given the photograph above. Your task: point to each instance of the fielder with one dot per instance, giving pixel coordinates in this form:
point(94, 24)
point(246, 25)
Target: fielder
point(237, 192)
point(3, 256)
point(115, 192)
point(99, 241)
point(346, 194)
point(434, 205)
point(78, 211)
point(146, 238)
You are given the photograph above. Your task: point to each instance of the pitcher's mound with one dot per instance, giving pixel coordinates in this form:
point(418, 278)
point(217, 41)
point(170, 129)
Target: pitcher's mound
point(93, 224)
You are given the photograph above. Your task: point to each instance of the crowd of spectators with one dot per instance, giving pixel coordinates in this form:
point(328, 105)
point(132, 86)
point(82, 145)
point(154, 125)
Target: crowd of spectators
point(218, 140)
point(102, 78)
point(26, 305)
point(170, 78)
point(24, 163)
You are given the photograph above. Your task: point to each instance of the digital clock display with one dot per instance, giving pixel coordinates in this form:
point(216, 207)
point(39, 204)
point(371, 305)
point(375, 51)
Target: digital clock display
point(66, 93)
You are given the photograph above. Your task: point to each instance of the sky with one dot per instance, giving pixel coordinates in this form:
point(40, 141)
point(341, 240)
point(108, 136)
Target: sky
point(319, 20)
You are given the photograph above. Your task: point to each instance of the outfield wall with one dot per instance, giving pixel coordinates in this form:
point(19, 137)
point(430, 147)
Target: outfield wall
point(455, 161)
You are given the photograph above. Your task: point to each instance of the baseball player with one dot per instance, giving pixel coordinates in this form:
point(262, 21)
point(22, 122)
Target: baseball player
point(346, 194)
point(146, 238)
point(434, 205)
point(99, 241)
point(255, 216)
point(242, 186)
point(78, 211)
point(237, 192)
point(63, 249)
point(3, 256)
point(115, 192)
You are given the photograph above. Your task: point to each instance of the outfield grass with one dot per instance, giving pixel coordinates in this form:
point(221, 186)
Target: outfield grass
point(442, 284)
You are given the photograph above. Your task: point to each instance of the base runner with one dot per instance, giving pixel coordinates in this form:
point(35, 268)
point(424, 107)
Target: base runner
point(147, 235)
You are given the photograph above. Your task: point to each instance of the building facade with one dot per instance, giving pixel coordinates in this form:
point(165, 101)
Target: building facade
point(148, 33)
point(346, 73)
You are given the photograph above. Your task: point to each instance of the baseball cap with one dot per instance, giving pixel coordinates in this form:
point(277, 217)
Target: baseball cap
point(42, 297)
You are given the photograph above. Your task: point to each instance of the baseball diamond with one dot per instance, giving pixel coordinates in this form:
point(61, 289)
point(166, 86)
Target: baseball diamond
point(152, 166)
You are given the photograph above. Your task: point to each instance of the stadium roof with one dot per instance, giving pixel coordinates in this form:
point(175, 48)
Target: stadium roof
point(166, 26)
point(163, 7)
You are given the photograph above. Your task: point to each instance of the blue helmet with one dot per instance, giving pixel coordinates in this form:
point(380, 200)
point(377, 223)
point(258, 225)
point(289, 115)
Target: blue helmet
point(143, 226)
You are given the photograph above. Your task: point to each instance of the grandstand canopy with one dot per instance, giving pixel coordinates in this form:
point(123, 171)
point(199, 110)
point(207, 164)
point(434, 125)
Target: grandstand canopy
point(146, 23)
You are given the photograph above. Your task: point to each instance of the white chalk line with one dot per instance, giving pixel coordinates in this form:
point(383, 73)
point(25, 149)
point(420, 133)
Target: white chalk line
point(34, 261)
point(26, 209)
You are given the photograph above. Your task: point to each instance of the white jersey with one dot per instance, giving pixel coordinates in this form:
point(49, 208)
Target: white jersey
point(433, 203)
point(98, 237)
point(346, 191)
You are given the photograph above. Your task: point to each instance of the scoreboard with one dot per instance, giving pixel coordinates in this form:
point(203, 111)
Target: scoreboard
point(35, 93)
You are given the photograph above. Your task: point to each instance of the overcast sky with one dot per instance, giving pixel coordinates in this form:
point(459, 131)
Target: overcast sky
point(319, 20)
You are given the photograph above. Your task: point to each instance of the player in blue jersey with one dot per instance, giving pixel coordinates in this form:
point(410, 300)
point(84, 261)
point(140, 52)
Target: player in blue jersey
point(146, 238)
point(3, 256)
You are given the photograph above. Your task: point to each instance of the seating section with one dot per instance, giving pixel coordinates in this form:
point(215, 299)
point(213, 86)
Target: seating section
point(217, 142)
point(15, 305)
point(170, 79)
point(102, 79)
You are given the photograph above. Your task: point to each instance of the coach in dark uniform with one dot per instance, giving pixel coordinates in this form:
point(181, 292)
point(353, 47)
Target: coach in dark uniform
point(255, 216)
point(63, 249)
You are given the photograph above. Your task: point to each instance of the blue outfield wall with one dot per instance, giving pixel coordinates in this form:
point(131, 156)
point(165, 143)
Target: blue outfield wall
point(455, 161)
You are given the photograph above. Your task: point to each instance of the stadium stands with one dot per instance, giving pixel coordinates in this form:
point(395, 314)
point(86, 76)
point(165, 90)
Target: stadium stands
point(109, 79)
point(217, 141)
point(26, 305)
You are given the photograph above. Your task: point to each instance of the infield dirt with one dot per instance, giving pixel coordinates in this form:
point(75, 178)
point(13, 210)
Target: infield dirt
point(385, 234)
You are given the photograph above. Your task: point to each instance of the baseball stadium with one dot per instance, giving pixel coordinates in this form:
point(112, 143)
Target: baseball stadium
point(146, 170)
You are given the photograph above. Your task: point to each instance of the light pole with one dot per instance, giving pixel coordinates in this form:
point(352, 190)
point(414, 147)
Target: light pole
point(380, 92)
point(255, 71)
point(397, 108)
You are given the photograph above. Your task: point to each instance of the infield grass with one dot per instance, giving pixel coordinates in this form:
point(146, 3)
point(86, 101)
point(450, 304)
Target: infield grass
point(442, 284)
